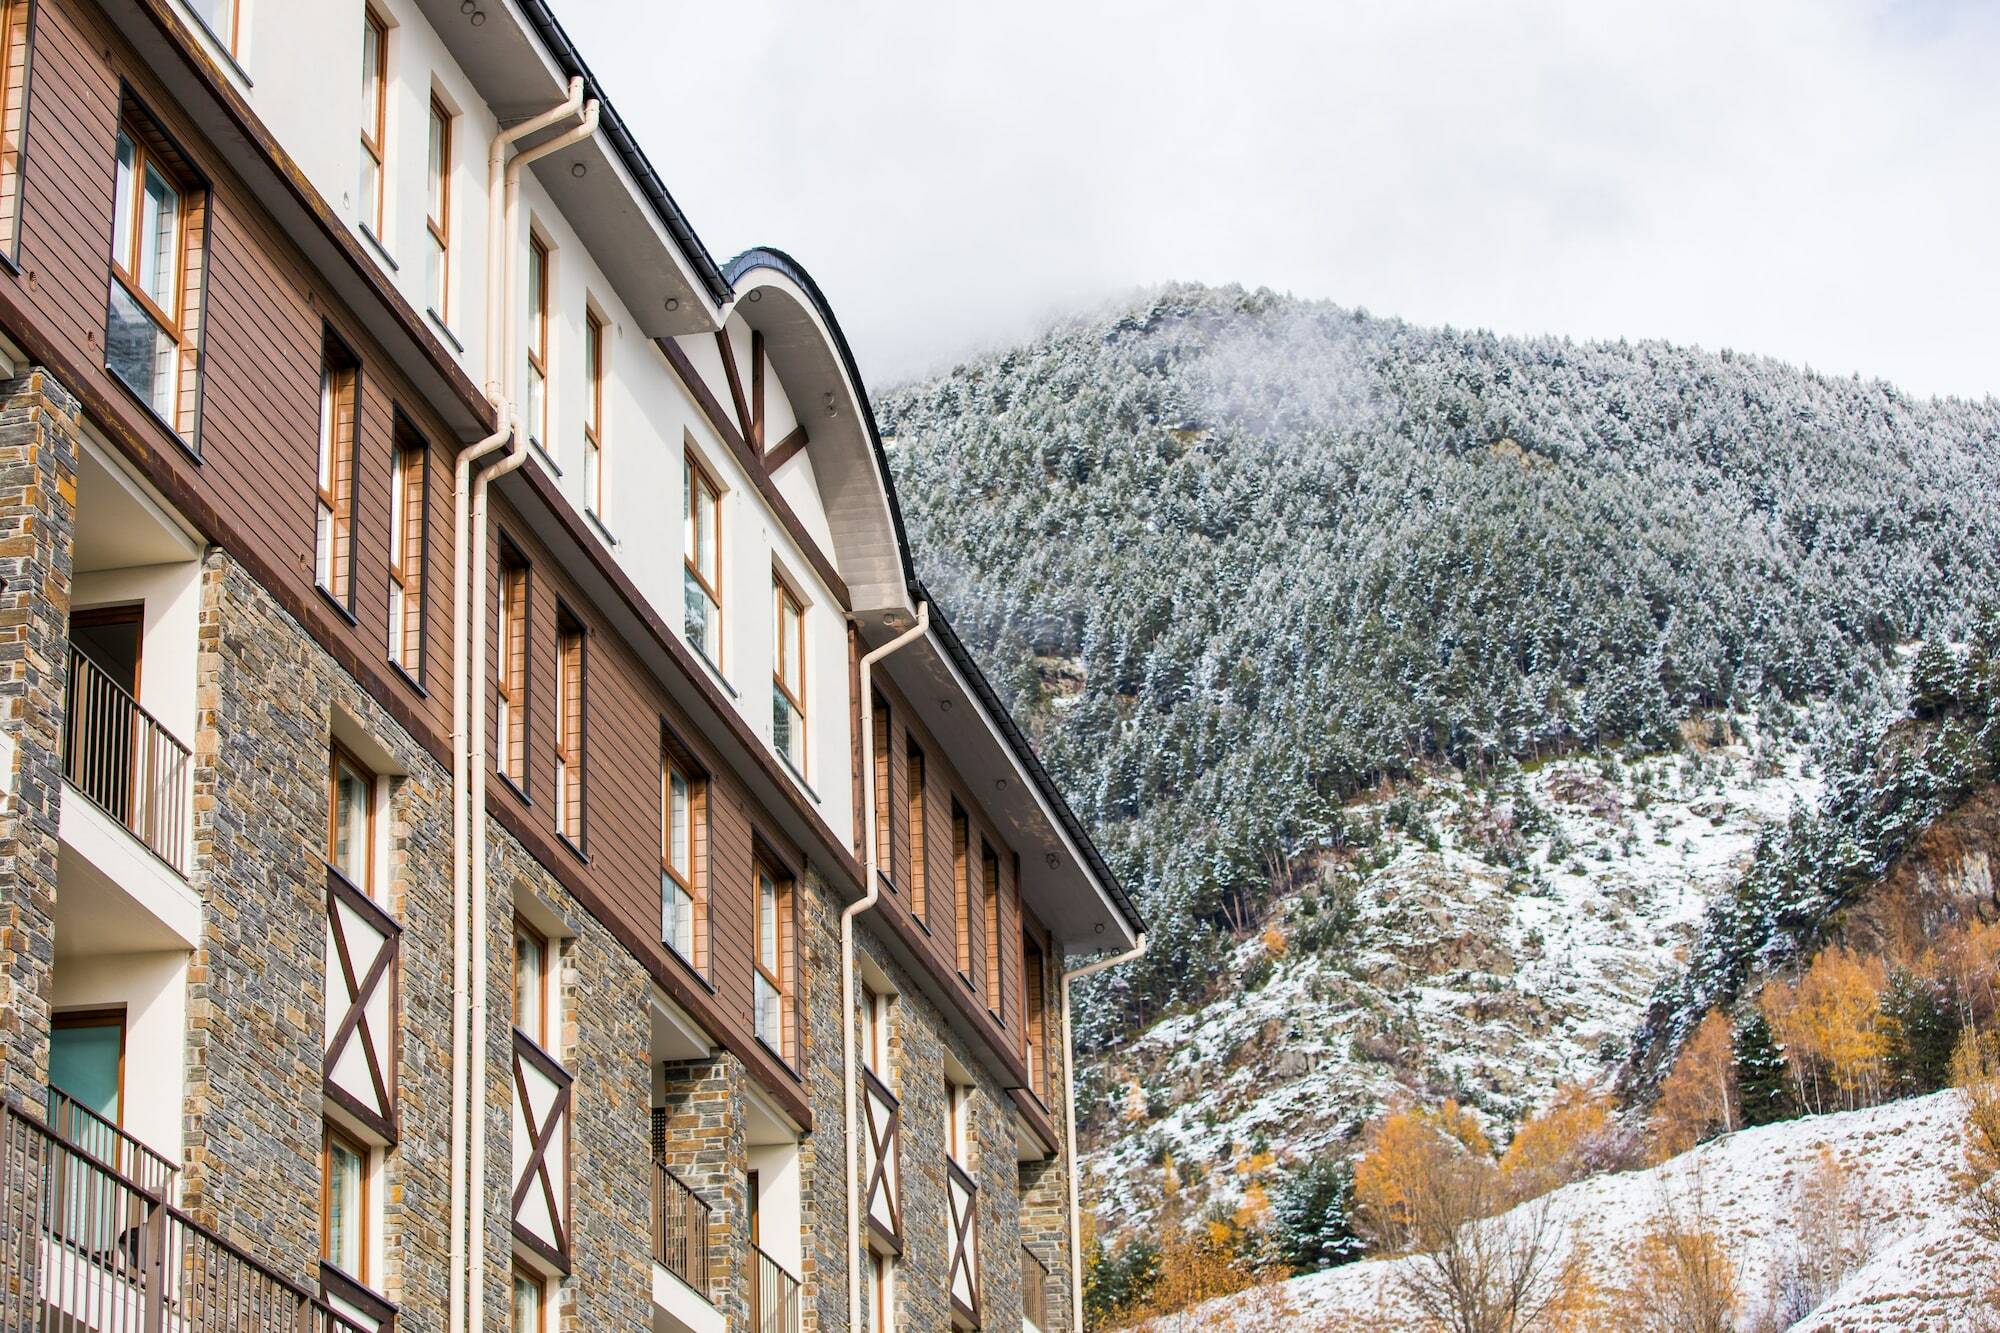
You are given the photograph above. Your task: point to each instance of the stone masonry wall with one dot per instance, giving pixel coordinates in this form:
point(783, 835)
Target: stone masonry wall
point(266, 697)
point(1045, 1185)
point(38, 434)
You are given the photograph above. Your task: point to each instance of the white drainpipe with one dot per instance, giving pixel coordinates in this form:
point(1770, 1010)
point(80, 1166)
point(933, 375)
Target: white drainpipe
point(1069, 1127)
point(469, 959)
point(867, 900)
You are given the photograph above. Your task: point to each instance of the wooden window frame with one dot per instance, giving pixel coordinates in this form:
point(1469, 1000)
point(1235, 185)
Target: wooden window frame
point(1034, 1013)
point(784, 595)
point(694, 882)
point(234, 36)
point(700, 488)
point(882, 1273)
point(409, 549)
point(374, 137)
point(437, 203)
point(961, 878)
point(883, 739)
point(958, 1122)
point(182, 324)
point(514, 683)
point(339, 757)
point(594, 326)
point(785, 922)
point(523, 1274)
point(572, 721)
point(330, 1134)
point(538, 339)
point(875, 1032)
point(339, 390)
point(100, 1016)
point(989, 921)
point(917, 812)
point(15, 83)
point(546, 946)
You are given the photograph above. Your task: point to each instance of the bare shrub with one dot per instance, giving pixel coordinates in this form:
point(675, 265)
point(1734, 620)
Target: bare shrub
point(1682, 1279)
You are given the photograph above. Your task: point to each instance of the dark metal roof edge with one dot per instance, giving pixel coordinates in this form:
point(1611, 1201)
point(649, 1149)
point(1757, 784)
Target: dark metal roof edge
point(961, 657)
point(570, 60)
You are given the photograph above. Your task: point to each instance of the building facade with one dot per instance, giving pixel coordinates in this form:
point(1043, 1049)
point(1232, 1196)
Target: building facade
point(493, 832)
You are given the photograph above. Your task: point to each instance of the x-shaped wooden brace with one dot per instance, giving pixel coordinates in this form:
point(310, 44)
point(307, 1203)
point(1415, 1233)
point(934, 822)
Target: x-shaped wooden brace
point(537, 1166)
point(964, 1214)
point(882, 1142)
point(359, 993)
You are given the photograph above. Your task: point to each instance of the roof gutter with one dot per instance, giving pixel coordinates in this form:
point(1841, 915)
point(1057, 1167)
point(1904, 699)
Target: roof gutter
point(612, 126)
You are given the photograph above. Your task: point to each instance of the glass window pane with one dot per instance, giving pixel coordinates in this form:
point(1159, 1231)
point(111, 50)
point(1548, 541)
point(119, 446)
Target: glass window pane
point(344, 1222)
point(434, 167)
point(767, 922)
point(677, 825)
point(139, 352)
point(159, 223)
point(528, 984)
point(121, 226)
point(350, 825)
point(676, 917)
point(84, 1064)
point(371, 67)
point(527, 1304)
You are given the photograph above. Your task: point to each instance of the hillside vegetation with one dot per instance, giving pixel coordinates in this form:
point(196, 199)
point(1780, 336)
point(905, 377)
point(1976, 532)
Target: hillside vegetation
point(1233, 558)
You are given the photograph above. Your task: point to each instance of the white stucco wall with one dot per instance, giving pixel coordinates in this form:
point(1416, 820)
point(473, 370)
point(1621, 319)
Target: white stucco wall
point(152, 989)
point(172, 595)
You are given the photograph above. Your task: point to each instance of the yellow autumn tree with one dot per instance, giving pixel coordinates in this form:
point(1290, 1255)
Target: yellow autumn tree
point(1408, 1151)
point(1698, 1097)
point(1975, 1072)
point(1830, 1024)
point(1967, 959)
point(1548, 1151)
point(1681, 1281)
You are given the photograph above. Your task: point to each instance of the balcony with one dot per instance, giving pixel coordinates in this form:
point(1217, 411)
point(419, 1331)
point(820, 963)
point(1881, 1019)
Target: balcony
point(1034, 1292)
point(129, 766)
point(91, 1247)
point(680, 1236)
point(774, 1295)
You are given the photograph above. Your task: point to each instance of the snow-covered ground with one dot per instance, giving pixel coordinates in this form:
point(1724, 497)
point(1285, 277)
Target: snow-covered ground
point(1497, 943)
point(1913, 1264)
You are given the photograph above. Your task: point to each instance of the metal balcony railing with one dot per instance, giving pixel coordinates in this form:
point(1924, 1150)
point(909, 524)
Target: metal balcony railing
point(83, 1246)
point(774, 1295)
point(680, 1229)
point(130, 766)
point(1034, 1289)
point(76, 1124)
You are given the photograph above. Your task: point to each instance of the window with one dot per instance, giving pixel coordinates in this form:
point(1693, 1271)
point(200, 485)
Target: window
point(788, 676)
point(538, 342)
point(701, 619)
point(343, 1233)
point(350, 820)
point(569, 727)
point(408, 530)
point(875, 1032)
point(683, 859)
point(531, 982)
point(885, 824)
point(913, 761)
point(437, 211)
point(528, 1304)
point(775, 1025)
point(882, 1269)
point(374, 110)
point(13, 116)
point(961, 878)
point(989, 920)
point(333, 544)
point(958, 1120)
point(513, 684)
point(152, 333)
point(219, 17)
point(87, 1065)
point(593, 416)
point(1034, 1021)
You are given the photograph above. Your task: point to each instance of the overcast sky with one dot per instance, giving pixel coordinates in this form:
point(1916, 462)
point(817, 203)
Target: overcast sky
point(1817, 180)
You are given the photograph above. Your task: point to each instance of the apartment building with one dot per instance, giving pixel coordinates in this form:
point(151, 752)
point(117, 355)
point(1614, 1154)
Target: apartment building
point(494, 834)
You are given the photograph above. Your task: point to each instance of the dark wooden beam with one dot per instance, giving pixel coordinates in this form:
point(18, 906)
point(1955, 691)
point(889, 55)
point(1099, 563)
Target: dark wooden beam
point(781, 452)
point(735, 382)
point(756, 432)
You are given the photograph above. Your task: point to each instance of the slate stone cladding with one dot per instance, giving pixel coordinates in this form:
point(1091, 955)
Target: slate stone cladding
point(267, 698)
point(38, 452)
point(1045, 1185)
